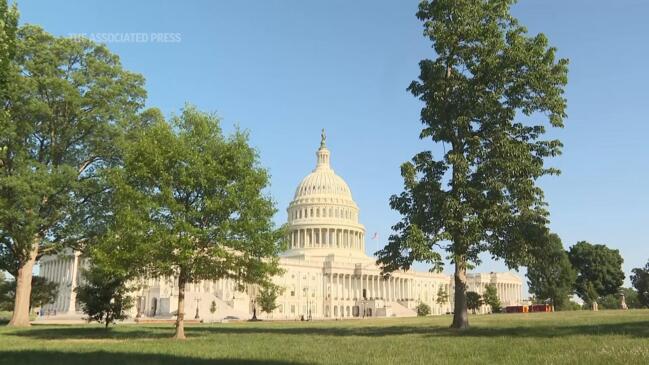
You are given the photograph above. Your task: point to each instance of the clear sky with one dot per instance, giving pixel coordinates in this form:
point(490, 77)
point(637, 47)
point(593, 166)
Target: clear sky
point(286, 69)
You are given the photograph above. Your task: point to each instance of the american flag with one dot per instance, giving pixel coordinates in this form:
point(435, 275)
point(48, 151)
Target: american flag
point(375, 236)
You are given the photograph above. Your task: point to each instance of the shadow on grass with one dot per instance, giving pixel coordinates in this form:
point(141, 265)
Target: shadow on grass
point(63, 332)
point(111, 358)
point(537, 330)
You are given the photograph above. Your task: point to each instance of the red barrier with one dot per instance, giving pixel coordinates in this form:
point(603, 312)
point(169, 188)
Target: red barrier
point(527, 309)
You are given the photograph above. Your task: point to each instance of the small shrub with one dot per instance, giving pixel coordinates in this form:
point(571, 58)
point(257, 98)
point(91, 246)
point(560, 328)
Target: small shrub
point(423, 310)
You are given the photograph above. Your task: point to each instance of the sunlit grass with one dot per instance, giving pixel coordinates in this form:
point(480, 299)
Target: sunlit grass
point(605, 337)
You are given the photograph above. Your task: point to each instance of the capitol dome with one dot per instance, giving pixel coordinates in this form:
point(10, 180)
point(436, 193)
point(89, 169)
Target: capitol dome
point(323, 217)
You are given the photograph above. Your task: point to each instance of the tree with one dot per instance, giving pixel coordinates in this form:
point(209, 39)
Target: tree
point(267, 298)
point(550, 275)
point(67, 100)
point(486, 96)
point(213, 307)
point(442, 296)
point(599, 271)
point(611, 301)
point(104, 295)
point(572, 306)
point(189, 203)
point(423, 310)
point(640, 281)
point(491, 299)
point(473, 301)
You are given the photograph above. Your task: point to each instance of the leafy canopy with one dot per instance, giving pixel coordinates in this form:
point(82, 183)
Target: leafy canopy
point(67, 99)
point(267, 298)
point(486, 95)
point(104, 295)
point(423, 310)
point(550, 275)
point(473, 300)
point(442, 296)
point(43, 292)
point(640, 281)
point(599, 270)
point(490, 298)
point(189, 202)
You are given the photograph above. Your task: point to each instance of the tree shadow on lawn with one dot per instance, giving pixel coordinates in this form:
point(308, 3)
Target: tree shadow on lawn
point(630, 328)
point(27, 357)
point(76, 332)
point(627, 328)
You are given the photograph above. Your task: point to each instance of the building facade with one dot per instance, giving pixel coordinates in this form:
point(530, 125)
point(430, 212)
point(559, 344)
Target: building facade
point(327, 273)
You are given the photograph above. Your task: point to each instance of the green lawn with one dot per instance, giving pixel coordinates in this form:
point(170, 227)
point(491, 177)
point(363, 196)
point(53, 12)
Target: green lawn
point(606, 337)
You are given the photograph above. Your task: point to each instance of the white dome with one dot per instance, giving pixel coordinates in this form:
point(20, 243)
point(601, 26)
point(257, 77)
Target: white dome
point(323, 217)
point(323, 182)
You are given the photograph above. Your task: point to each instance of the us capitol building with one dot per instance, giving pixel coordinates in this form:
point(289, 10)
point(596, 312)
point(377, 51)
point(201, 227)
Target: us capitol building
point(327, 273)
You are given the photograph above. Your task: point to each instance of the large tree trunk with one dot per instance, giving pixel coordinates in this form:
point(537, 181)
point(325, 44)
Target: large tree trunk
point(20, 316)
point(180, 318)
point(460, 314)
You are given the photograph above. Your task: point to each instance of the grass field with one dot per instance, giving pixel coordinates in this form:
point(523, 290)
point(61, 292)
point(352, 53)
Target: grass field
point(605, 337)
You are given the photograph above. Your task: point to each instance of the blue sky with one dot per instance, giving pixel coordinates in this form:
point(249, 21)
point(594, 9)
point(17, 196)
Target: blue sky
point(286, 69)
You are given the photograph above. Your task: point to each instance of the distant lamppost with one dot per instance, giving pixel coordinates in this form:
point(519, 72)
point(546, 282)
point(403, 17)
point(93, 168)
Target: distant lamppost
point(254, 309)
point(197, 316)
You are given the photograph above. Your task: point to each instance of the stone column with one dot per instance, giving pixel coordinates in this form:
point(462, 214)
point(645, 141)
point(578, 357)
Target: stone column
point(398, 289)
point(349, 286)
point(73, 294)
point(374, 286)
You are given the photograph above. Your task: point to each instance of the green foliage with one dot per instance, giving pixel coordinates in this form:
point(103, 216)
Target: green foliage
point(485, 96)
point(572, 306)
point(104, 295)
point(68, 99)
point(640, 281)
point(213, 307)
point(189, 203)
point(267, 298)
point(550, 275)
point(599, 270)
point(423, 310)
point(473, 301)
point(490, 298)
point(442, 296)
point(611, 301)
point(8, 29)
point(43, 292)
